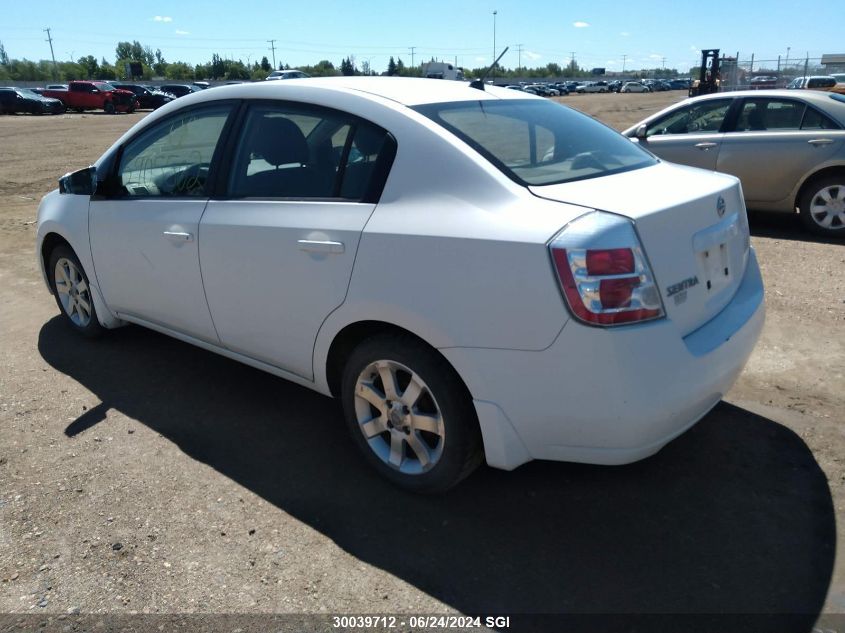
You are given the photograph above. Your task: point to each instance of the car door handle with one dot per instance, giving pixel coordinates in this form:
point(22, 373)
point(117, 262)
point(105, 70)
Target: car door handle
point(320, 246)
point(178, 236)
point(705, 146)
point(820, 141)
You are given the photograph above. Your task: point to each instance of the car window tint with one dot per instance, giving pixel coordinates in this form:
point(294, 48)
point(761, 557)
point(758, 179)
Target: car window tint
point(704, 116)
point(815, 120)
point(758, 115)
point(289, 151)
point(173, 158)
point(364, 151)
point(538, 142)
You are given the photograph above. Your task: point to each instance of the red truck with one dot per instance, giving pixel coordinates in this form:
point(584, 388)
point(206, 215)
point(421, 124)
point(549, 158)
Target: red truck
point(95, 95)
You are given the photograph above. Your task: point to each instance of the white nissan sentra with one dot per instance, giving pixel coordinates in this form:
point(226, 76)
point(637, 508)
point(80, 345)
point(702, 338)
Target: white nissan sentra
point(474, 273)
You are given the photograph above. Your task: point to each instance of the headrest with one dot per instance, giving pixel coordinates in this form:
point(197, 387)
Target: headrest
point(278, 140)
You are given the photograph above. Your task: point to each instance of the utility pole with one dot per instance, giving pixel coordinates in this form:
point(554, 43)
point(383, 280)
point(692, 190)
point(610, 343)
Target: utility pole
point(495, 12)
point(663, 61)
point(50, 39)
point(272, 44)
point(624, 57)
point(412, 55)
point(519, 51)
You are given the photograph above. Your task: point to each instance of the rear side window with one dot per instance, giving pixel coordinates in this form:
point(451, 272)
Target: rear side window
point(538, 142)
point(815, 120)
point(770, 114)
point(301, 152)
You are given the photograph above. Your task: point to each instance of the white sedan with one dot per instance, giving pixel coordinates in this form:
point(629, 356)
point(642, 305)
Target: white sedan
point(633, 86)
point(476, 273)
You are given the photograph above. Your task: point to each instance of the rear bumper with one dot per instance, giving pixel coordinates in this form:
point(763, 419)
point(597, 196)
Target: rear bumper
point(609, 396)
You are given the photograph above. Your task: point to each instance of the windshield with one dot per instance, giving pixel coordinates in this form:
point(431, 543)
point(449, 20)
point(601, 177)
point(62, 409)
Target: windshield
point(539, 142)
point(26, 92)
point(105, 87)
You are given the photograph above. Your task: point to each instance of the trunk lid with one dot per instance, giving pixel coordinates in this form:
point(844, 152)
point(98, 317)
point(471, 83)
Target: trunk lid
point(692, 225)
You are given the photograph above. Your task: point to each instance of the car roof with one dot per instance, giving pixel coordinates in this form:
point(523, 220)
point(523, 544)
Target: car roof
point(408, 91)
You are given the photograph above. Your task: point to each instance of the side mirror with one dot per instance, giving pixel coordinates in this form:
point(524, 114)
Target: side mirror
point(641, 132)
point(81, 183)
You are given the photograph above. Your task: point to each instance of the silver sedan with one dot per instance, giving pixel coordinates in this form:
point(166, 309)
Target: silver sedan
point(787, 148)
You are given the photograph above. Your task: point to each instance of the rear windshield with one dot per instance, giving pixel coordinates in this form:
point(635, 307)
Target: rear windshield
point(539, 142)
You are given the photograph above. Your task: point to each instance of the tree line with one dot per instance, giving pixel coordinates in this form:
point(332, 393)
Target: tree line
point(154, 65)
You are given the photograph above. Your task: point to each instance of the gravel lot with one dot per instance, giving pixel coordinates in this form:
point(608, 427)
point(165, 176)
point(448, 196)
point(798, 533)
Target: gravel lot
point(140, 474)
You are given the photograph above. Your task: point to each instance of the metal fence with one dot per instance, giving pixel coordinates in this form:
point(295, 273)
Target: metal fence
point(742, 73)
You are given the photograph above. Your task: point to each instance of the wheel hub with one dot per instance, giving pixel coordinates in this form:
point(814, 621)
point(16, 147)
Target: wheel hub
point(396, 416)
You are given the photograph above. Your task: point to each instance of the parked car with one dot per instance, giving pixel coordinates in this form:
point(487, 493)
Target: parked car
point(561, 88)
point(514, 295)
point(634, 86)
point(95, 95)
point(763, 82)
point(826, 83)
point(287, 74)
point(595, 86)
point(179, 90)
point(147, 98)
point(680, 84)
point(787, 148)
point(24, 100)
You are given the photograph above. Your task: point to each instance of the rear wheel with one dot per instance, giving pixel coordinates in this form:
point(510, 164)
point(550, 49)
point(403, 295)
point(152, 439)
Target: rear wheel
point(409, 414)
point(822, 206)
point(72, 291)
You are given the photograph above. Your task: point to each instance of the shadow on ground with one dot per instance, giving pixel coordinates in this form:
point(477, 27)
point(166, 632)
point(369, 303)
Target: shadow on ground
point(734, 516)
point(784, 226)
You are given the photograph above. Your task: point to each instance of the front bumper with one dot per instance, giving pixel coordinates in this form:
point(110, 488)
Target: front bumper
point(609, 396)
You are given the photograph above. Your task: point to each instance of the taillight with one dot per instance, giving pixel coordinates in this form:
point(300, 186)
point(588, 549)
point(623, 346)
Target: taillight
point(603, 273)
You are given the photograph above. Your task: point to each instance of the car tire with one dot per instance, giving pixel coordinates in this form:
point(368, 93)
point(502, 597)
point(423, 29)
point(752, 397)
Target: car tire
point(72, 291)
point(108, 108)
point(822, 206)
point(425, 439)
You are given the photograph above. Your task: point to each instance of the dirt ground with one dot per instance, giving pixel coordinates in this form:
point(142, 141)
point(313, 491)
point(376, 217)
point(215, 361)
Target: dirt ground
point(140, 474)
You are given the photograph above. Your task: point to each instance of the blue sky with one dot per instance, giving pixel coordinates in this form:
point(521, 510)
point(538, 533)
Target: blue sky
point(605, 34)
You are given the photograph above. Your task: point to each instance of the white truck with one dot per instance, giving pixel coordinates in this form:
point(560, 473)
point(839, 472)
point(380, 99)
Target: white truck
point(442, 70)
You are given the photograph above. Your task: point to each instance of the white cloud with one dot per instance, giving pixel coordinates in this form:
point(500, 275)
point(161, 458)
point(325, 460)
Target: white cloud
point(162, 18)
point(625, 34)
point(580, 25)
point(481, 59)
point(532, 56)
point(652, 56)
point(181, 32)
point(694, 49)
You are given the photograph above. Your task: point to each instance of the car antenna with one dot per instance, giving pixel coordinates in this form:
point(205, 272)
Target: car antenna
point(479, 83)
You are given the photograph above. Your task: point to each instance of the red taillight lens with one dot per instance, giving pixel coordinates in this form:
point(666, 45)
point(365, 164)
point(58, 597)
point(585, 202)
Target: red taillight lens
point(605, 286)
point(612, 261)
point(616, 293)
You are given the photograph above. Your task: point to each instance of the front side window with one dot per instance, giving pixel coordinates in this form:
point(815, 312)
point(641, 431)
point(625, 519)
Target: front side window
point(173, 158)
point(292, 151)
point(538, 142)
point(702, 117)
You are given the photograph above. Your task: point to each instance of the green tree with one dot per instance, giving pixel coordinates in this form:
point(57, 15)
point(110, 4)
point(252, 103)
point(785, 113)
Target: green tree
point(265, 65)
point(107, 71)
point(179, 70)
point(90, 66)
point(400, 67)
point(347, 66)
point(4, 58)
point(391, 67)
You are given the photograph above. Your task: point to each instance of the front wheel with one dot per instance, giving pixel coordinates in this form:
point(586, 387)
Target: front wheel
point(822, 206)
point(409, 414)
point(72, 291)
point(108, 107)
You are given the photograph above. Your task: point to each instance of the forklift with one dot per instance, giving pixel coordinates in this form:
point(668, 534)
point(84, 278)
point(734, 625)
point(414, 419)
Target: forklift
point(708, 78)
